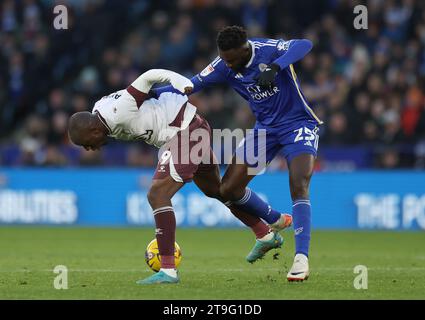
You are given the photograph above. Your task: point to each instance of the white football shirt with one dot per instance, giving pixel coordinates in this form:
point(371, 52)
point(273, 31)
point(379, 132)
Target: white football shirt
point(130, 114)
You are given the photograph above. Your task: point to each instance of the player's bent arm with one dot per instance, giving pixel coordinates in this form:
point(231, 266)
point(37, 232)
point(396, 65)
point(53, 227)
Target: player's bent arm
point(145, 82)
point(197, 86)
point(295, 51)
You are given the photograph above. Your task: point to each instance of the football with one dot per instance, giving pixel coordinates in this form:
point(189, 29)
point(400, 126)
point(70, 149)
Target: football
point(153, 259)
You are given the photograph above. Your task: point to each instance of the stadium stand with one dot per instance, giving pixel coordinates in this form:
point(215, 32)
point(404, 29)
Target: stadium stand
point(366, 85)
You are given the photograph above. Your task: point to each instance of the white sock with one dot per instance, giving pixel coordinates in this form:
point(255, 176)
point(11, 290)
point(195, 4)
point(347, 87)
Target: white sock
point(170, 272)
point(267, 237)
point(301, 257)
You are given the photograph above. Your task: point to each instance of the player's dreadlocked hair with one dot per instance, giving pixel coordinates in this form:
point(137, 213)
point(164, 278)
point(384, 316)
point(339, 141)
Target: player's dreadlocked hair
point(231, 37)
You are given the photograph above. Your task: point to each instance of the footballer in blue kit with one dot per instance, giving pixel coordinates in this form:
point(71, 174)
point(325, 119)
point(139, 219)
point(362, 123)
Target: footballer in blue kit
point(262, 72)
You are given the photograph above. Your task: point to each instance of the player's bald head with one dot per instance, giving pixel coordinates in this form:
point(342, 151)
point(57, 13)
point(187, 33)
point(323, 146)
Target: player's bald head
point(80, 124)
point(85, 129)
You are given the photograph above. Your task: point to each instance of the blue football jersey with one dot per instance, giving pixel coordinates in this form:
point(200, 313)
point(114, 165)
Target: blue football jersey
point(280, 105)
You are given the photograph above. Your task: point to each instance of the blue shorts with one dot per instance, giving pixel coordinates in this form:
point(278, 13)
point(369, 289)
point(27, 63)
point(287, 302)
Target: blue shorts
point(262, 144)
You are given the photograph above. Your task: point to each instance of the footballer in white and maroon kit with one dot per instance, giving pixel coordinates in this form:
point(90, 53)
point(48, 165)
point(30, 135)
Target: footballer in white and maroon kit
point(129, 114)
point(166, 122)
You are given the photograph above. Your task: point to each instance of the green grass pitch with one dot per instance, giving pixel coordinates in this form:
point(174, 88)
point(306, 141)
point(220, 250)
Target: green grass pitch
point(104, 263)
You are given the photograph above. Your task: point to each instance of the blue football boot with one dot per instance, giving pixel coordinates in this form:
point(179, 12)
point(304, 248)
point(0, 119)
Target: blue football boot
point(262, 247)
point(159, 277)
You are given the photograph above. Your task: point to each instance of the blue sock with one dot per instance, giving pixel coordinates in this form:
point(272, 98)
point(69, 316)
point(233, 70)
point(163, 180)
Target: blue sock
point(251, 203)
point(301, 215)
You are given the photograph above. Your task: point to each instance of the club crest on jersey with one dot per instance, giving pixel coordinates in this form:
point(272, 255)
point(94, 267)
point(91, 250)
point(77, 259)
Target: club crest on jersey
point(262, 66)
point(283, 45)
point(207, 70)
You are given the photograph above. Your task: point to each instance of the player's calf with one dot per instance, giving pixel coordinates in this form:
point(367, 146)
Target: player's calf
point(159, 197)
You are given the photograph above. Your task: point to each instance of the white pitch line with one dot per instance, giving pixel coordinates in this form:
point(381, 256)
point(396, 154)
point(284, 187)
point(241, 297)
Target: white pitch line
point(333, 269)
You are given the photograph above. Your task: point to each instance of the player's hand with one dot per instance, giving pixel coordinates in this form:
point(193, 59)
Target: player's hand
point(266, 78)
point(188, 90)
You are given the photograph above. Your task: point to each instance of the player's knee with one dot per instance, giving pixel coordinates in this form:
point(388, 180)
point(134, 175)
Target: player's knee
point(213, 193)
point(300, 188)
point(152, 197)
point(156, 197)
point(231, 192)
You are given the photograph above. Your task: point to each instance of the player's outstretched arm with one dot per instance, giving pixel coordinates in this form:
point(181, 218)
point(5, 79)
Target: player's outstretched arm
point(209, 76)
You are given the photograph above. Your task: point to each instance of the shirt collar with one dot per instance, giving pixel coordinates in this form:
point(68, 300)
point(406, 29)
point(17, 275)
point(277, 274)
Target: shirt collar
point(103, 122)
point(252, 55)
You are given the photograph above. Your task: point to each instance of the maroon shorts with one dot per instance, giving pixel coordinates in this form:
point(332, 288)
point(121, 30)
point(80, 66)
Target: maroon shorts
point(187, 153)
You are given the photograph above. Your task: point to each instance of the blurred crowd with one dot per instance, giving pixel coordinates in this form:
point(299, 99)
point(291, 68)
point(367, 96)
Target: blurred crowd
point(367, 85)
